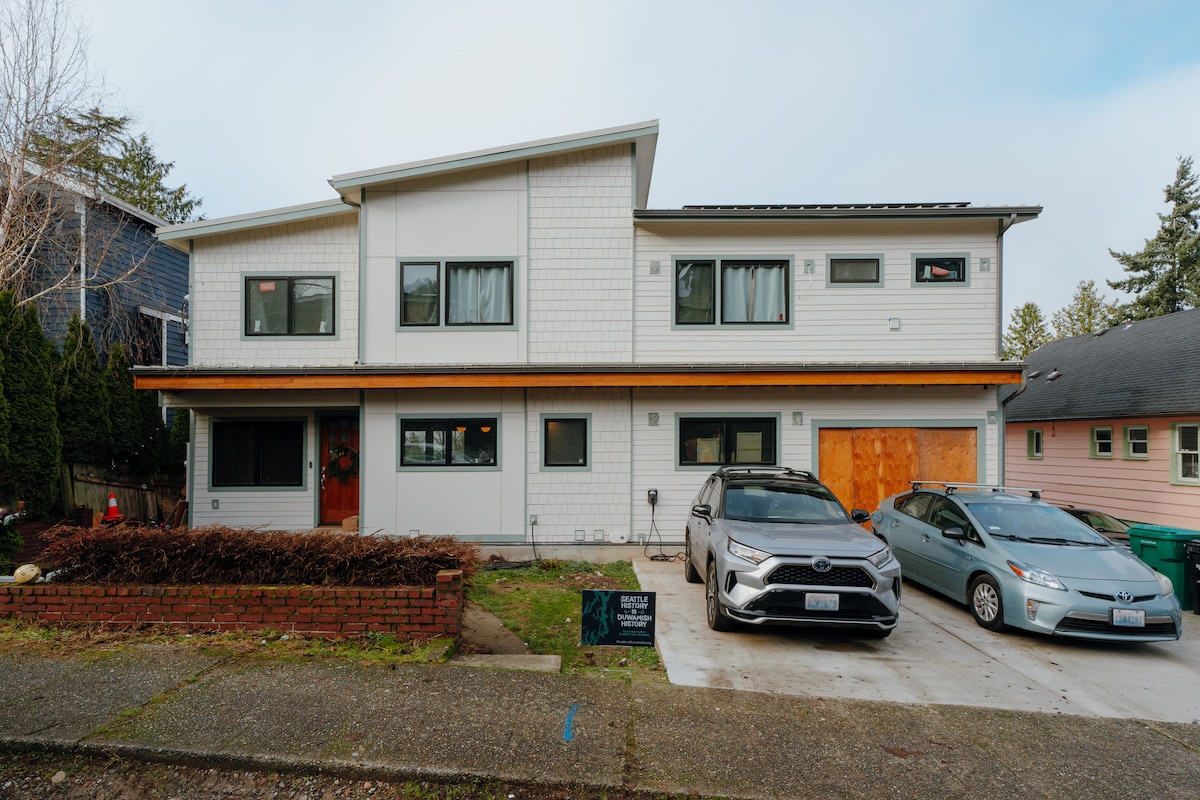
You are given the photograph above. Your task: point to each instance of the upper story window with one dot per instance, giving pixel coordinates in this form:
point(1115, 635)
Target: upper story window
point(297, 305)
point(732, 292)
point(452, 293)
point(948, 268)
point(1033, 443)
point(1102, 442)
point(855, 270)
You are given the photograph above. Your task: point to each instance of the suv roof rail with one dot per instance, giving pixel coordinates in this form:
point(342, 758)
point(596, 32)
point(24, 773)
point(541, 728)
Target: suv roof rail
point(798, 473)
point(1036, 494)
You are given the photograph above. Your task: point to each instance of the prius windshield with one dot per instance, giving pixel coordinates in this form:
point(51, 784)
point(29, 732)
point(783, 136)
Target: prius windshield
point(1032, 522)
point(782, 502)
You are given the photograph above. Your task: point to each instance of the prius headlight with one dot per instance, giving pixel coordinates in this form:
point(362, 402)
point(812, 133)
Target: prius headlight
point(882, 557)
point(749, 553)
point(1164, 583)
point(1036, 576)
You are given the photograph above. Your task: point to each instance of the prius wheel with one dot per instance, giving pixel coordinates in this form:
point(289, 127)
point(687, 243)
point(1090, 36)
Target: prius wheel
point(689, 569)
point(716, 617)
point(987, 606)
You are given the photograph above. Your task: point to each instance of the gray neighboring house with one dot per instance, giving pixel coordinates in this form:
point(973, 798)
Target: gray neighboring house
point(1111, 420)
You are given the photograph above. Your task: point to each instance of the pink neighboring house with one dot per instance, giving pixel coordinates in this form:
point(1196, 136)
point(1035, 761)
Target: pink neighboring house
point(1111, 421)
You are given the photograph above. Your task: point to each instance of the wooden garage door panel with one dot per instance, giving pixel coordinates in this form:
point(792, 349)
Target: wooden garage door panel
point(864, 465)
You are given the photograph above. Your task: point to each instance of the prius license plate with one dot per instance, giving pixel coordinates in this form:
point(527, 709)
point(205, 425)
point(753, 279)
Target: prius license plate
point(817, 601)
point(1129, 617)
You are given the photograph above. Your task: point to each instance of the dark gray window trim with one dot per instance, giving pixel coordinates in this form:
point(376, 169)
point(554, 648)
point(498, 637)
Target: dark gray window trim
point(679, 467)
point(402, 467)
point(246, 277)
point(443, 296)
point(912, 272)
point(590, 434)
point(213, 421)
point(830, 283)
point(788, 290)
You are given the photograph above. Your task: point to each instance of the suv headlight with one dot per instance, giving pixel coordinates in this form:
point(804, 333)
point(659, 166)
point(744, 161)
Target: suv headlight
point(1164, 583)
point(882, 557)
point(1036, 576)
point(749, 553)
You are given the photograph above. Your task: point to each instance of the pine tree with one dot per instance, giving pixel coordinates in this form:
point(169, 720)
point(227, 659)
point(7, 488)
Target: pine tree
point(1088, 312)
point(1026, 332)
point(180, 436)
point(1164, 276)
point(123, 410)
point(138, 177)
point(83, 399)
point(152, 454)
point(30, 472)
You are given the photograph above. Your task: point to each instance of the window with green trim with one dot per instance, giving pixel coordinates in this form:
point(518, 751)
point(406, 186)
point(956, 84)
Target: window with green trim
point(290, 306)
point(1137, 441)
point(1185, 443)
point(1102, 442)
point(727, 441)
point(565, 442)
point(1033, 443)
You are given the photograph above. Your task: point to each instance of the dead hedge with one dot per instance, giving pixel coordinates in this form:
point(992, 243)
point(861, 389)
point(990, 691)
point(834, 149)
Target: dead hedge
point(129, 554)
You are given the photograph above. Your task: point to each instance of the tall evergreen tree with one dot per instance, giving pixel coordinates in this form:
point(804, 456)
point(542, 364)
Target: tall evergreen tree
point(1164, 276)
point(1026, 332)
point(124, 412)
point(1088, 312)
point(30, 472)
point(152, 453)
point(138, 177)
point(83, 399)
point(180, 436)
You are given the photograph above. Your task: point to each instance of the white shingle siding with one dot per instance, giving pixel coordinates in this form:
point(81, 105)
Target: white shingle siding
point(580, 306)
point(325, 246)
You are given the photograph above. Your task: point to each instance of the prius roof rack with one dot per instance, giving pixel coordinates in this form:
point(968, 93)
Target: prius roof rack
point(795, 473)
point(1036, 494)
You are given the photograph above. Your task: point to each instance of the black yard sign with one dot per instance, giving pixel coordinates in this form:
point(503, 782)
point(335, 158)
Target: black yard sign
point(618, 618)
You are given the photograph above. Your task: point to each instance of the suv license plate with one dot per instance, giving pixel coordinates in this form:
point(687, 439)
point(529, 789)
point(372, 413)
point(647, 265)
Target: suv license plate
point(814, 601)
point(1129, 617)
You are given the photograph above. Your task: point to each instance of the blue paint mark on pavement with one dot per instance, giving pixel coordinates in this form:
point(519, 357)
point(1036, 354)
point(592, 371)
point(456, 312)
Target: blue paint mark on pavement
point(567, 733)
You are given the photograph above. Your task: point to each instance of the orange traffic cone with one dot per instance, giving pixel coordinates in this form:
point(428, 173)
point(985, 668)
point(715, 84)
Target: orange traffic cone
point(112, 514)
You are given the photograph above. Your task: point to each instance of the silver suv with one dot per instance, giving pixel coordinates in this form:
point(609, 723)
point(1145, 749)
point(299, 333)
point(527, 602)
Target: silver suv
point(775, 547)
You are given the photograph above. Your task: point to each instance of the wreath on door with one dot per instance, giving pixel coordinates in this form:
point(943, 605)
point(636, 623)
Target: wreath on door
point(342, 463)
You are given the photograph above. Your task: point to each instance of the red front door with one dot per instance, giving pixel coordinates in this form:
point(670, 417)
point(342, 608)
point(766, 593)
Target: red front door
point(339, 468)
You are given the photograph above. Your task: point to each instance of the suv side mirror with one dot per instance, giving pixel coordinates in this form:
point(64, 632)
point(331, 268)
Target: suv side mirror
point(704, 510)
point(858, 515)
point(955, 533)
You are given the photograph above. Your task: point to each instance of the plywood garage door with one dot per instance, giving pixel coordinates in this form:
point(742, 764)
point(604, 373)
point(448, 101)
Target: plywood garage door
point(864, 465)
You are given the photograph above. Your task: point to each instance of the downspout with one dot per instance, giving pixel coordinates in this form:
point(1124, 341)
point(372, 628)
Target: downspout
point(81, 207)
point(1000, 424)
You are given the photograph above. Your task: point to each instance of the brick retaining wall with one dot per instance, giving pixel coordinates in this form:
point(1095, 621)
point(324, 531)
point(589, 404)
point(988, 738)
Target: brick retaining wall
point(405, 612)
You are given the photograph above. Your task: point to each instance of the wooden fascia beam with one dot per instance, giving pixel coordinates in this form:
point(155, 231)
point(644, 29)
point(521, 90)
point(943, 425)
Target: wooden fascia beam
point(556, 380)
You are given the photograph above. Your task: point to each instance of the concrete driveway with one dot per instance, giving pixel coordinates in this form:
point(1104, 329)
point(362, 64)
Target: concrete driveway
point(937, 654)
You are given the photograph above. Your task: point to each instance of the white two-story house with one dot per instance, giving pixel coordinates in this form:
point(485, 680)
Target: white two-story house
point(509, 346)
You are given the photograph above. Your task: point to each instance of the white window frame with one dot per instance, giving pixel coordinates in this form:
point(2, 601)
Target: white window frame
point(1099, 443)
point(1131, 445)
point(1180, 457)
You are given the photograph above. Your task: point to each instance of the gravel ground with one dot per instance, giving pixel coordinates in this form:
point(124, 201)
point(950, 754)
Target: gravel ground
point(76, 777)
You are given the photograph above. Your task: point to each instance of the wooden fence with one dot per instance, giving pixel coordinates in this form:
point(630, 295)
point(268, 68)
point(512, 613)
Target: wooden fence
point(86, 490)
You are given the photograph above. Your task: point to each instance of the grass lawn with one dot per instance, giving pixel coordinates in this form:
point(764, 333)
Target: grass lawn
point(541, 602)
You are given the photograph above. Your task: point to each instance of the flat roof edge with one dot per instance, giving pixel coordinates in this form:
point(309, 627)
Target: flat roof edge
point(258, 219)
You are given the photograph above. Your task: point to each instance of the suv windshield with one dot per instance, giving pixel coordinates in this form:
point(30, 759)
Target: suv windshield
point(782, 502)
point(1038, 523)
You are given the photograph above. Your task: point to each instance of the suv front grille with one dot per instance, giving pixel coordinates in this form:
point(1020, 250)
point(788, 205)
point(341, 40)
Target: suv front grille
point(807, 576)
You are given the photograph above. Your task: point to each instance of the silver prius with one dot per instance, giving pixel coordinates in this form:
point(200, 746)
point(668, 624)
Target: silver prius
point(775, 547)
point(1016, 561)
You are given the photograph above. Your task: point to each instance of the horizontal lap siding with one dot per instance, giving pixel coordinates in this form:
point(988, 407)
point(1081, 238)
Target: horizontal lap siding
point(1133, 489)
point(937, 322)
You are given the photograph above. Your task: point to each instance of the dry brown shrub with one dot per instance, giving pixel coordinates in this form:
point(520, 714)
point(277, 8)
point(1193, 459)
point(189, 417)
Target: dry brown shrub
point(129, 554)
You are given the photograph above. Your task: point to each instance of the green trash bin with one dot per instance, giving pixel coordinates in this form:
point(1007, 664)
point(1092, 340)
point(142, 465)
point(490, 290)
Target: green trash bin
point(1165, 549)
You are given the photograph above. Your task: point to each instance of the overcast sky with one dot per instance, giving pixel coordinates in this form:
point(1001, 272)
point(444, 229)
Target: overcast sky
point(1080, 106)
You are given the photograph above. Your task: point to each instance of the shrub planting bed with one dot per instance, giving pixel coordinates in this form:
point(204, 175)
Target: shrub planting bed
point(217, 578)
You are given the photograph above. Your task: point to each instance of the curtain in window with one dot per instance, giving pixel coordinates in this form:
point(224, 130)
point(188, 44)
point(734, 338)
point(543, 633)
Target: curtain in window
point(752, 293)
point(480, 294)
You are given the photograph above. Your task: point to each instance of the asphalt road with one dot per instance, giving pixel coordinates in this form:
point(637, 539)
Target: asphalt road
point(937, 655)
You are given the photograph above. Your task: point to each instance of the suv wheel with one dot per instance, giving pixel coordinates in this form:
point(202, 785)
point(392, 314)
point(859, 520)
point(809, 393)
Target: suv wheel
point(689, 569)
point(716, 617)
point(987, 606)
